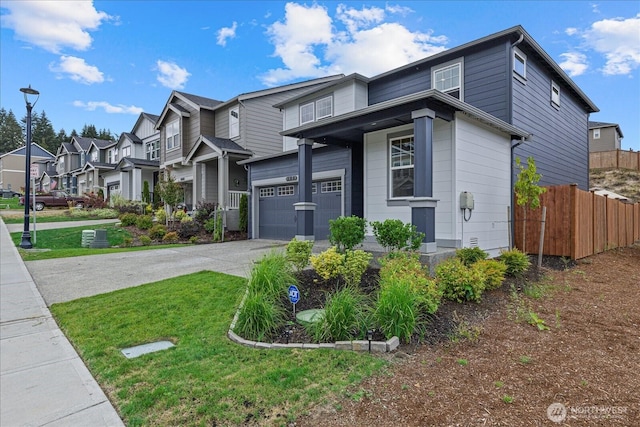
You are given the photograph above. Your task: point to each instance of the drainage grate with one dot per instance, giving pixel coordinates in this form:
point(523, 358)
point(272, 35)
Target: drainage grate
point(139, 350)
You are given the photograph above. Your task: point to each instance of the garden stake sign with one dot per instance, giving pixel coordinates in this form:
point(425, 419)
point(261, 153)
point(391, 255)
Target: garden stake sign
point(294, 297)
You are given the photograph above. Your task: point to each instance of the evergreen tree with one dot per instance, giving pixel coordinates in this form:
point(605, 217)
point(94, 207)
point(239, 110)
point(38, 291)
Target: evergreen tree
point(105, 134)
point(89, 131)
point(61, 137)
point(42, 132)
point(10, 132)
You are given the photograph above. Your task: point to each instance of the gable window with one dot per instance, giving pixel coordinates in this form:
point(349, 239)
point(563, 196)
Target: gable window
point(234, 122)
point(307, 113)
point(519, 63)
point(94, 156)
point(153, 150)
point(324, 108)
point(316, 110)
point(555, 94)
point(596, 134)
point(172, 135)
point(112, 155)
point(401, 167)
point(83, 158)
point(448, 79)
point(126, 152)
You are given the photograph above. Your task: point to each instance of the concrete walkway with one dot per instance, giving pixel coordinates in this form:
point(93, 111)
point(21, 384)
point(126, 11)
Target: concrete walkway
point(43, 381)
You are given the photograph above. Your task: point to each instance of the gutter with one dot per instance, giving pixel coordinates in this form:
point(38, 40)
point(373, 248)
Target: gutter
point(513, 145)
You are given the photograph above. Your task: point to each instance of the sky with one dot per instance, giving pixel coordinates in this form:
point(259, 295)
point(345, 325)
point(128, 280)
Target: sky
point(105, 62)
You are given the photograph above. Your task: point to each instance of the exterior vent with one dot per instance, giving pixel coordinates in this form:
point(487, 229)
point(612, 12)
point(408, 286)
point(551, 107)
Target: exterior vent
point(473, 242)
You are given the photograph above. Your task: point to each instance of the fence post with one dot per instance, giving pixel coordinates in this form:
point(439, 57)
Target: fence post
point(541, 246)
point(573, 215)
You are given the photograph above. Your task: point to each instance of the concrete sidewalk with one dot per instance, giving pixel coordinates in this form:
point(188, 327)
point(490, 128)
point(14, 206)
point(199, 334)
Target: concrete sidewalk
point(43, 381)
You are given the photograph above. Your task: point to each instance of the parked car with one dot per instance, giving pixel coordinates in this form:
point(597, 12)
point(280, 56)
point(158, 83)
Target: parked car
point(56, 198)
point(7, 194)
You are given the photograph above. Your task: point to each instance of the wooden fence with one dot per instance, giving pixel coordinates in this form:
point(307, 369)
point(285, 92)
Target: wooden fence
point(615, 159)
point(578, 223)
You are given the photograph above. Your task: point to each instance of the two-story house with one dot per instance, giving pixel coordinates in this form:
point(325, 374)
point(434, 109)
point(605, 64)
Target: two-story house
point(71, 160)
point(203, 139)
point(604, 136)
point(135, 159)
point(431, 143)
point(12, 165)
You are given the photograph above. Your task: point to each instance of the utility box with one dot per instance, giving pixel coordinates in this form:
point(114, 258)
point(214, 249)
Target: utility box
point(100, 240)
point(87, 238)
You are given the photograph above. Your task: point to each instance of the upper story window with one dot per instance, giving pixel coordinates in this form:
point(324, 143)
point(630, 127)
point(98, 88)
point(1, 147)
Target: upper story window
point(112, 155)
point(316, 110)
point(401, 166)
point(234, 122)
point(596, 134)
point(94, 156)
point(555, 94)
point(126, 152)
point(447, 78)
point(519, 63)
point(153, 150)
point(60, 167)
point(83, 158)
point(172, 135)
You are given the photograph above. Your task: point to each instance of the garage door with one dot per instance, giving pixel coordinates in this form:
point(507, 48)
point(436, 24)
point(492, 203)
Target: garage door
point(277, 217)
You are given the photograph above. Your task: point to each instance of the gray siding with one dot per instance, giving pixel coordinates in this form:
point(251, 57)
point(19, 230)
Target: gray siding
point(486, 82)
point(608, 140)
point(403, 83)
point(260, 129)
point(207, 123)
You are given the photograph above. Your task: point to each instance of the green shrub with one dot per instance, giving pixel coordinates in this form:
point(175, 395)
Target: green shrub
point(344, 316)
point(193, 240)
point(145, 240)
point(354, 265)
point(128, 219)
point(161, 215)
point(393, 234)
point(144, 222)
point(469, 256)
point(459, 282)
point(298, 253)
point(178, 214)
point(346, 232)
point(127, 242)
point(328, 264)
point(186, 219)
point(157, 232)
point(243, 212)
point(493, 271)
point(104, 213)
point(397, 309)
point(271, 276)
point(517, 262)
point(259, 317)
point(170, 237)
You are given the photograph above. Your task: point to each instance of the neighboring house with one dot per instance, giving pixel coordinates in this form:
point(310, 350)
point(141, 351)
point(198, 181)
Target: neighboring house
point(135, 159)
point(71, 159)
point(604, 136)
point(422, 138)
point(12, 165)
point(90, 177)
point(202, 139)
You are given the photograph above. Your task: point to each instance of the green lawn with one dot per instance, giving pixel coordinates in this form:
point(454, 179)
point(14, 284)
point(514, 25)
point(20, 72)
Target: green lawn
point(53, 215)
point(206, 379)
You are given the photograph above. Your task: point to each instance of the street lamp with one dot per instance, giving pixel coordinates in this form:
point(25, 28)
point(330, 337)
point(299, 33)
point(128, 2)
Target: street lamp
point(26, 236)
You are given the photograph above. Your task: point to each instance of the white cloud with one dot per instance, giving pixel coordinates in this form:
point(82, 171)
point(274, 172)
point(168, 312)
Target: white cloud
point(226, 33)
point(310, 44)
point(78, 70)
point(108, 108)
point(54, 25)
point(171, 75)
point(571, 31)
point(574, 63)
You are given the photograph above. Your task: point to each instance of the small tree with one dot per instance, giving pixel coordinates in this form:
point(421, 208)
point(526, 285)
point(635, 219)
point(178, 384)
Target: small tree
point(244, 213)
point(169, 192)
point(527, 191)
point(146, 196)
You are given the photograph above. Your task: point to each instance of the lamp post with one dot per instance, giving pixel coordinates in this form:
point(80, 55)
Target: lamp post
point(26, 236)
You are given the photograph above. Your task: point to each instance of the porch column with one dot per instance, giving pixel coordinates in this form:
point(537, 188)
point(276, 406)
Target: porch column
point(223, 178)
point(423, 205)
point(305, 207)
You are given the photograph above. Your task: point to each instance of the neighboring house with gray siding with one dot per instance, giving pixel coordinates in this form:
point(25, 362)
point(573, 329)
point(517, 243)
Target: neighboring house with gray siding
point(12, 165)
point(430, 131)
point(71, 159)
point(604, 136)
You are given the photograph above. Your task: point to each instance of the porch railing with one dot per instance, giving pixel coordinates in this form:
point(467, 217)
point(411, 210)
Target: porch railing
point(233, 202)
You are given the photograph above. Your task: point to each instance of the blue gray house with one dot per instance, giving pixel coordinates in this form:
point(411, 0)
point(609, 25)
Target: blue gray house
point(432, 143)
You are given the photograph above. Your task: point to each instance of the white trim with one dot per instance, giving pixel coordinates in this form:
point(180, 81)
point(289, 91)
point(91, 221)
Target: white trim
point(555, 94)
point(518, 53)
point(459, 62)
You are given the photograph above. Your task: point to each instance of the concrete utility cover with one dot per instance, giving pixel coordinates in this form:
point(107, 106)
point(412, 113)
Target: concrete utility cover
point(139, 350)
point(310, 316)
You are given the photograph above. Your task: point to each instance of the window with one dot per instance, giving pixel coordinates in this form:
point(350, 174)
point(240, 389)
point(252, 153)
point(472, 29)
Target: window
point(172, 134)
point(153, 150)
point(267, 192)
point(126, 152)
point(306, 113)
point(448, 79)
point(596, 134)
point(555, 94)
point(83, 158)
point(314, 188)
point(94, 156)
point(331, 186)
point(519, 63)
point(286, 190)
point(324, 108)
point(401, 166)
point(234, 122)
point(112, 155)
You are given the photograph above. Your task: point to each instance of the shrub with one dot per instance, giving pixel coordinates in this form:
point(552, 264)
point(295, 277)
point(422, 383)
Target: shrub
point(204, 211)
point(161, 215)
point(157, 232)
point(344, 316)
point(517, 262)
point(193, 240)
point(178, 214)
point(244, 213)
point(94, 200)
point(146, 195)
point(210, 225)
point(271, 276)
point(397, 309)
point(144, 222)
point(459, 282)
point(346, 232)
point(328, 264)
point(469, 256)
point(170, 237)
point(354, 265)
point(298, 253)
point(186, 219)
point(259, 317)
point(104, 213)
point(127, 242)
point(188, 229)
point(145, 240)
point(393, 234)
point(493, 270)
point(128, 219)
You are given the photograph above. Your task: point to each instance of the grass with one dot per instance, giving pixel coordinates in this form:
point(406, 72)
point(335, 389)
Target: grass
point(10, 203)
point(205, 379)
point(51, 215)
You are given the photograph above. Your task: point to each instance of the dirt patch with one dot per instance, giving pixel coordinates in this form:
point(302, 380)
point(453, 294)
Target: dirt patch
point(500, 370)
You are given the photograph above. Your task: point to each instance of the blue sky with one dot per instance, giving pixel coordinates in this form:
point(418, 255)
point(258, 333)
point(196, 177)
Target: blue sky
point(104, 62)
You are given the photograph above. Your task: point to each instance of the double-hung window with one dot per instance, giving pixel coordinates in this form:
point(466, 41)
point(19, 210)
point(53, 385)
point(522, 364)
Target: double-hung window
point(555, 94)
point(448, 79)
point(324, 108)
point(94, 156)
point(401, 167)
point(316, 110)
point(172, 135)
point(126, 152)
point(153, 150)
point(596, 134)
point(519, 64)
point(307, 113)
point(234, 122)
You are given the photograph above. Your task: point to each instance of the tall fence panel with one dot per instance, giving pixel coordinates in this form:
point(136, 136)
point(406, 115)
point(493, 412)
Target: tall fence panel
point(615, 159)
point(578, 223)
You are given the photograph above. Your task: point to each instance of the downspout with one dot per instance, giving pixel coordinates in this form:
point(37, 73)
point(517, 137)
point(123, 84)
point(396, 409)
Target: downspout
point(513, 146)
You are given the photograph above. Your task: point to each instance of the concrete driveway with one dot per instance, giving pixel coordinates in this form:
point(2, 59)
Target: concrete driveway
point(66, 279)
